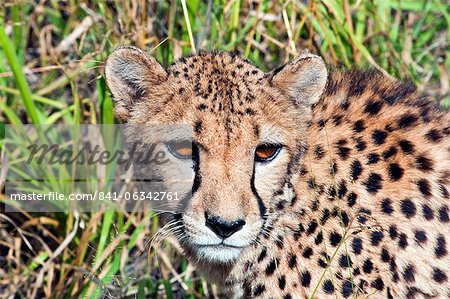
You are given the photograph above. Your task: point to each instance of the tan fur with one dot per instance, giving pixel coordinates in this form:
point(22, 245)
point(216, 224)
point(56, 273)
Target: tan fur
point(313, 193)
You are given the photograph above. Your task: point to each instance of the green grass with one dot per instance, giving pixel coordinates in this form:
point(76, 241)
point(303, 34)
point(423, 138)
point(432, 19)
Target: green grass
point(51, 71)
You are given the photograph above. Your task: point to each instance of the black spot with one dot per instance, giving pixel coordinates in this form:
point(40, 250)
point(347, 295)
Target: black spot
point(373, 107)
point(407, 120)
point(271, 267)
point(393, 268)
point(322, 263)
point(361, 216)
point(385, 256)
point(280, 206)
point(427, 212)
point(395, 171)
point(342, 190)
point(262, 255)
point(360, 144)
point(332, 192)
point(202, 107)
point(439, 275)
point(406, 146)
point(250, 112)
point(345, 219)
point(343, 152)
point(321, 123)
point(379, 136)
point(373, 158)
point(362, 284)
point(441, 247)
point(305, 279)
point(345, 104)
point(345, 261)
point(337, 119)
point(408, 208)
point(434, 135)
point(424, 163)
point(393, 233)
point(378, 284)
point(359, 126)
point(198, 127)
point(347, 288)
point(319, 151)
point(328, 287)
point(333, 167)
point(373, 183)
point(444, 191)
point(368, 266)
point(259, 290)
point(386, 206)
point(341, 142)
point(408, 273)
point(403, 241)
point(335, 238)
point(335, 212)
point(292, 261)
point(424, 187)
point(312, 227)
point(357, 245)
point(282, 282)
point(443, 214)
point(376, 237)
point(351, 199)
point(319, 238)
point(392, 151)
point(287, 296)
point(420, 236)
point(307, 253)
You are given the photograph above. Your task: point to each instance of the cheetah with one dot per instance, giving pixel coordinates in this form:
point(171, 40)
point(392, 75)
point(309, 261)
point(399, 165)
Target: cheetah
point(308, 183)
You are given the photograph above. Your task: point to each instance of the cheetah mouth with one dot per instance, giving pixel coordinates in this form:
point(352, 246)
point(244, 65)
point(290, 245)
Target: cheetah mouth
point(221, 253)
point(220, 246)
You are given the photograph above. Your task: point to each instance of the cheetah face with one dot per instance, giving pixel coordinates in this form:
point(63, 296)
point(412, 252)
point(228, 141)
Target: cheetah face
point(248, 129)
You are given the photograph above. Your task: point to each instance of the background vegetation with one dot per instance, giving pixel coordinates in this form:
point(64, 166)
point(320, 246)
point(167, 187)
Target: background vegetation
point(51, 71)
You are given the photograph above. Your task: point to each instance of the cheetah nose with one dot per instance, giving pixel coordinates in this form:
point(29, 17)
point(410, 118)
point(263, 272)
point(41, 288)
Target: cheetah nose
point(221, 227)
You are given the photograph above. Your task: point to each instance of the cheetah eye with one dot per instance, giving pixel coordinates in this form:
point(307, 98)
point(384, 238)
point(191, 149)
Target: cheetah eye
point(182, 149)
point(266, 152)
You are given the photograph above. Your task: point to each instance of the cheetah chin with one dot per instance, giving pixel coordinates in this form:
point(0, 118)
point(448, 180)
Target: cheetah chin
point(218, 253)
point(303, 183)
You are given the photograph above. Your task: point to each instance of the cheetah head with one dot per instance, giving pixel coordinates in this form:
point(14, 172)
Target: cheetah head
point(247, 136)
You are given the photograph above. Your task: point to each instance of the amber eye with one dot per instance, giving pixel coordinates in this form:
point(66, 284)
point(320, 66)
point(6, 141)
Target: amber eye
point(182, 149)
point(266, 152)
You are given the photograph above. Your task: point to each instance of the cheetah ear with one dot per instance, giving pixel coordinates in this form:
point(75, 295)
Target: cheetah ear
point(303, 79)
point(130, 74)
